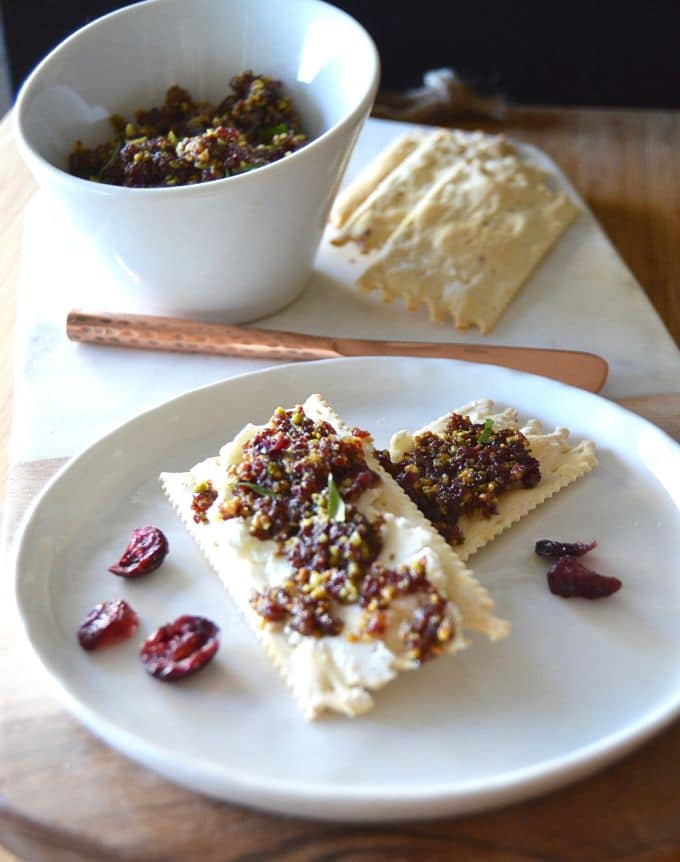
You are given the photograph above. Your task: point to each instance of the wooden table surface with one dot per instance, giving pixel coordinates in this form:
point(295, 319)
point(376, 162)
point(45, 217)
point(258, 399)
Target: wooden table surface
point(66, 796)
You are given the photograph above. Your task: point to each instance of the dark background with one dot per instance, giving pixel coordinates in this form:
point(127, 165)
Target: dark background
point(598, 53)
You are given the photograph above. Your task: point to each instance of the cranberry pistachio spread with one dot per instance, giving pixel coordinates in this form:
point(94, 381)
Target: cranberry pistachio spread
point(184, 141)
point(334, 567)
point(474, 472)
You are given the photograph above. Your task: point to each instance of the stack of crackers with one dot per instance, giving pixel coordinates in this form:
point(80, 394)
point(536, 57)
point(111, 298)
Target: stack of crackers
point(458, 221)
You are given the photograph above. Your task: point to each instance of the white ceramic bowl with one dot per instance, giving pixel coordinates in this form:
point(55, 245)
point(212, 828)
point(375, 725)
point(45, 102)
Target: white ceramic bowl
point(232, 249)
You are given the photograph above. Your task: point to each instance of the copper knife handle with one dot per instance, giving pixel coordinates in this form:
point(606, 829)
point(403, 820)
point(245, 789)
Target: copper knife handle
point(147, 332)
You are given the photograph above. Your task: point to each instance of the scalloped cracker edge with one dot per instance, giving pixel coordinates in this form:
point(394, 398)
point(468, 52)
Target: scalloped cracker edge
point(306, 664)
point(561, 464)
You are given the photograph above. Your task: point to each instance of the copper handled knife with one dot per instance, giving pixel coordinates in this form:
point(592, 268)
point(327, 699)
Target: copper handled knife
point(145, 332)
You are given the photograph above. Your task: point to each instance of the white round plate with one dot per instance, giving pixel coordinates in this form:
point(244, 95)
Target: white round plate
point(576, 684)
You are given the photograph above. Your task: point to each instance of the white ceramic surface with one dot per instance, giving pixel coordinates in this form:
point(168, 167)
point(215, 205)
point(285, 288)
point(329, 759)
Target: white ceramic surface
point(232, 249)
point(576, 684)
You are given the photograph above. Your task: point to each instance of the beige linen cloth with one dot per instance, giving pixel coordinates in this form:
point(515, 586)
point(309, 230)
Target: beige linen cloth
point(24, 482)
point(443, 96)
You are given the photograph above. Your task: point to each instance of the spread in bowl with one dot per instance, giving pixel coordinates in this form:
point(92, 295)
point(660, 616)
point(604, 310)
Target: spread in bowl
point(186, 142)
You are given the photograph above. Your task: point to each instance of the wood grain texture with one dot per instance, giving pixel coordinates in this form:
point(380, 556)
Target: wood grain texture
point(65, 797)
point(625, 165)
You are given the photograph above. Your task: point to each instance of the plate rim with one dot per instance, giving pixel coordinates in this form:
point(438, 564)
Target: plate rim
point(339, 802)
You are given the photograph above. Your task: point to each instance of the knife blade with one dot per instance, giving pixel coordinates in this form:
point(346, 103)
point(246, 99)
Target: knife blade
point(149, 332)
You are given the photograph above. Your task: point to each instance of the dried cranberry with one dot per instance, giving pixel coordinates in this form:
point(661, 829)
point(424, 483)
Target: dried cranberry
point(313, 618)
point(201, 500)
point(180, 648)
point(422, 634)
point(376, 624)
point(145, 552)
point(227, 133)
point(272, 606)
point(107, 623)
point(304, 614)
point(568, 578)
point(551, 549)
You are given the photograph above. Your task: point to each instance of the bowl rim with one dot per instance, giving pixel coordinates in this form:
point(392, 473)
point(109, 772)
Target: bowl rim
point(40, 165)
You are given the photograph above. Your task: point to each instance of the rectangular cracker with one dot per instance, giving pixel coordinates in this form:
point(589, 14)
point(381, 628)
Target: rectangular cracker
point(471, 242)
point(561, 464)
point(328, 673)
point(390, 202)
point(351, 198)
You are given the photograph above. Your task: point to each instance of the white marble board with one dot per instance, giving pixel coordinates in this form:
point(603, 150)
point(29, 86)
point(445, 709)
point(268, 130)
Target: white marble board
point(582, 297)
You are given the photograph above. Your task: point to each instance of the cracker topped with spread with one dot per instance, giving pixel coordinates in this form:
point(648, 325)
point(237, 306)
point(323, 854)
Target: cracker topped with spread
point(337, 571)
point(459, 225)
point(475, 472)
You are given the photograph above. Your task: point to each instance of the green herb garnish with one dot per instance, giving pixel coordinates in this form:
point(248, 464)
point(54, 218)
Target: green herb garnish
point(336, 505)
point(115, 149)
point(267, 135)
point(259, 489)
point(485, 434)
